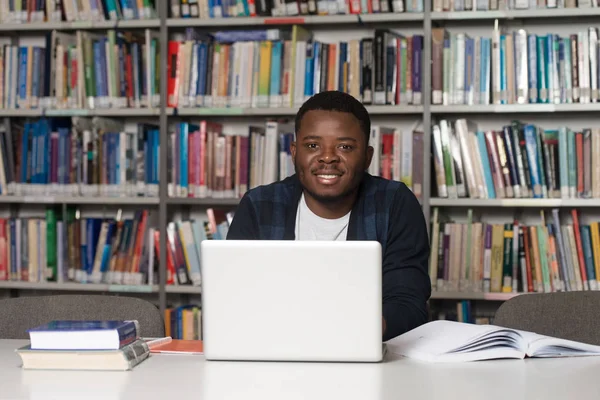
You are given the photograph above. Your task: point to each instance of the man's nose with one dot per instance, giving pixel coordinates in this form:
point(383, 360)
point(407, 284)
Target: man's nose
point(329, 155)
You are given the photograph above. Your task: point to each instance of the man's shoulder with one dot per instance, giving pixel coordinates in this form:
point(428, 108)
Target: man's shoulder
point(276, 192)
point(378, 186)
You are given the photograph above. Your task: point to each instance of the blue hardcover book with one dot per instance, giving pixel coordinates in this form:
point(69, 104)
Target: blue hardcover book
point(84, 335)
point(309, 68)
point(586, 240)
point(532, 154)
point(98, 71)
point(202, 71)
point(247, 35)
point(22, 96)
point(541, 70)
point(155, 149)
point(487, 172)
point(532, 67)
point(276, 74)
point(549, 53)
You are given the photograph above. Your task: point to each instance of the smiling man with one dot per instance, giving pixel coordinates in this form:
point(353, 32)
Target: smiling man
point(332, 197)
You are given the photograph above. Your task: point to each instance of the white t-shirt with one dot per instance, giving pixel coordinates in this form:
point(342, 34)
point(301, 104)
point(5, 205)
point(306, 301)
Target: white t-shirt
point(309, 226)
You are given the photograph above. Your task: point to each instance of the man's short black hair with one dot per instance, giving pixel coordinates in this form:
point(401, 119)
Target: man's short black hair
point(334, 100)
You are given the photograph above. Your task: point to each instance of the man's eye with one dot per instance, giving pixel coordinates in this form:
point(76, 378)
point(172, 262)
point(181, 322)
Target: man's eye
point(346, 147)
point(311, 145)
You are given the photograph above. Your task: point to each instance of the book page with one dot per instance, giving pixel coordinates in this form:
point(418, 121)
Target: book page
point(453, 341)
point(545, 346)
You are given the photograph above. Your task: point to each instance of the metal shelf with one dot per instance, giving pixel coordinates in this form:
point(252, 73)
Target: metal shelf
point(537, 203)
point(297, 20)
point(202, 201)
point(76, 25)
point(183, 289)
point(474, 296)
point(282, 111)
point(515, 108)
point(20, 112)
point(548, 13)
point(73, 286)
point(391, 17)
point(43, 199)
point(81, 112)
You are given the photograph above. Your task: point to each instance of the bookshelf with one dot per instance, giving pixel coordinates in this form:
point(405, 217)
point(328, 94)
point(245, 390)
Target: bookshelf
point(163, 27)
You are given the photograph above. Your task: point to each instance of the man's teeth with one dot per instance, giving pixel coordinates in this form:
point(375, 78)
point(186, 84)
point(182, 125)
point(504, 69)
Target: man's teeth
point(328, 176)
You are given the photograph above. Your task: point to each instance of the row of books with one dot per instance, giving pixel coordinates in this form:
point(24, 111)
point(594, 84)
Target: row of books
point(203, 162)
point(515, 67)
point(279, 68)
point(184, 322)
point(21, 11)
point(489, 5)
point(464, 311)
point(112, 10)
point(518, 160)
point(515, 257)
point(78, 157)
point(205, 9)
point(70, 248)
point(398, 155)
point(82, 70)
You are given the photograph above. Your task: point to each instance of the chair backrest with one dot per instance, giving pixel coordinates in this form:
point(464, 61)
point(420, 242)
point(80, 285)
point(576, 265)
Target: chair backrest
point(565, 315)
point(21, 313)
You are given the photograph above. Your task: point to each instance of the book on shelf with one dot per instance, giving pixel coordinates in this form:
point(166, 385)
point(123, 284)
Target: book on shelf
point(449, 341)
point(184, 322)
point(282, 68)
point(517, 160)
point(87, 345)
point(78, 156)
point(514, 67)
point(82, 70)
point(203, 9)
point(71, 11)
point(515, 257)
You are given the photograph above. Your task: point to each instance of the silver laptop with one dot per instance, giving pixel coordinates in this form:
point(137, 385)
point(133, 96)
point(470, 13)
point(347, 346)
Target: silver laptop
point(292, 300)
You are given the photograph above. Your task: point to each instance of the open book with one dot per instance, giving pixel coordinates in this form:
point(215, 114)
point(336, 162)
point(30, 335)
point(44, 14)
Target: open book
point(449, 341)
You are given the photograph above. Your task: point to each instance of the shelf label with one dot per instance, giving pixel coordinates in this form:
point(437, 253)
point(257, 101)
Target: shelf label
point(130, 288)
point(221, 111)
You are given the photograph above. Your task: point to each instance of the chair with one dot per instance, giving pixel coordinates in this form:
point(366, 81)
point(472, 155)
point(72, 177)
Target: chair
point(19, 314)
point(565, 315)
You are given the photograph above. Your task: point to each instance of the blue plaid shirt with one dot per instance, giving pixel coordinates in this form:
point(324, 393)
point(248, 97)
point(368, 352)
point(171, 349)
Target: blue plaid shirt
point(385, 210)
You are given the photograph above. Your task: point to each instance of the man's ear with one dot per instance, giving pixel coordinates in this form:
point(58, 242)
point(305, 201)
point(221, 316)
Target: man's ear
point(369, 158)
point(293, 151)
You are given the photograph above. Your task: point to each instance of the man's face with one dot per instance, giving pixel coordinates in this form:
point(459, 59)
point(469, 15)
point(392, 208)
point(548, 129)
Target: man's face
point(330, 154)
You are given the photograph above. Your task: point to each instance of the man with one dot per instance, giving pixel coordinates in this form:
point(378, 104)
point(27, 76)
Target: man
point(332, 197)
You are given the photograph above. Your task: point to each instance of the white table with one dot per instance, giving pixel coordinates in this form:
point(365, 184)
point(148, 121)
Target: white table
point(168, 377)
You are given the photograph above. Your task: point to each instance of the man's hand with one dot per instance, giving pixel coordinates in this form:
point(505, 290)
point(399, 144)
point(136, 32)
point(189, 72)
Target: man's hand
point(383, 325)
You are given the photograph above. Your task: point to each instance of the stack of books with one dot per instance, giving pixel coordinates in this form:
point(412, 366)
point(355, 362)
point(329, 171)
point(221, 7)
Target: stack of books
point(84, 345)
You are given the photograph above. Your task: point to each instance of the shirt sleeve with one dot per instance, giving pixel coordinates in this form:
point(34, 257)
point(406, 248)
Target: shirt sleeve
point(406, 282)
point(244, 225)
